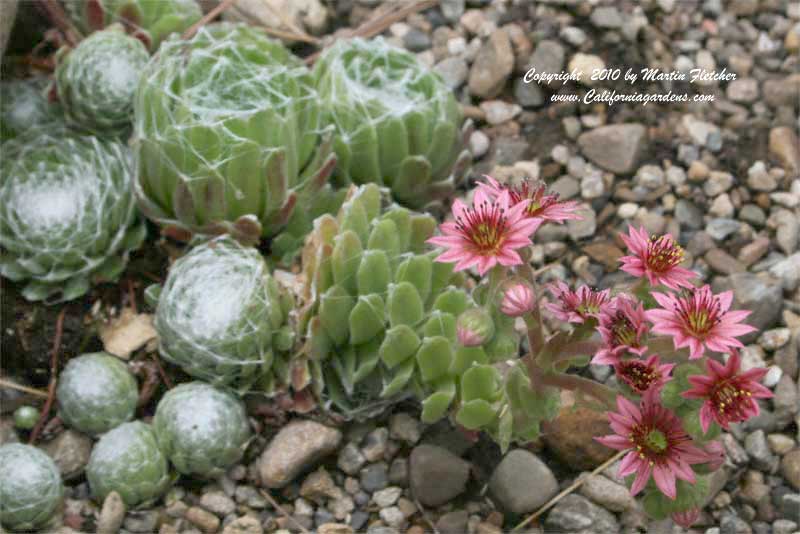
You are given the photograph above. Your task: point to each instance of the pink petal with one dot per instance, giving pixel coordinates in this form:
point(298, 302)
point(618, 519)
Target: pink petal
point(665, 480)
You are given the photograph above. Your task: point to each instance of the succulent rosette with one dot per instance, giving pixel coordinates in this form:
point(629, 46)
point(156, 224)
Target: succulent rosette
point(128, 460)
point(397, 123)
point(24, 106)
point(96, 393)
point(221, 316)
point(151, 21)
point(30, 488)
point(381, 315)
point(96, 80)
point(201, 429)
point(67, 213)
point(227, 135)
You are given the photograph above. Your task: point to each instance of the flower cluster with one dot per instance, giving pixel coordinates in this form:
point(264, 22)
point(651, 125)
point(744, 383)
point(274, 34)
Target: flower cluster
point(667, 411)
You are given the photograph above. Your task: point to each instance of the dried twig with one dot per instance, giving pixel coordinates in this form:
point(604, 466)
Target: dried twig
point(572, 487)
point(25, 389)
point(208, 17)
point(51, 388)
point(283, 512)
point(425, 516)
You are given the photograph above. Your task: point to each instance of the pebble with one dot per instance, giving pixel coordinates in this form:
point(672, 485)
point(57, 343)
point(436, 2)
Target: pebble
point(788, 271)
point(787, 229)
point(522, 483)
point(398, 471)
point(627, 210)
point(742, 90)
point(453, 70)
point(616, 148)
point(492, 66)
point(650, 176)
point(244, 525)
point(606, 18)
point(478, 146)
point(111, 515)
point(218, 503)
point(774, 374)
point(577, 514)
point(759, 179)
point(374, 477)
point(775, 338)
point(436, 474)
point(547, 58)
point(143, 521)
point(785, 146)
point(528, 95)
point(205, 521)
point(573, 35)
point(752, 214)
point(703, 133)
point(70, 451)
point(592, 186)
point(790, 468)
point(453, 522)
point(758, 449)
point(498, 111)
point(393, 516)
point(318, 485)
point(780, 443)
point(722, 206)
point(584, 65)
point(584, 227)
point(717, 183)
point(569, 437)
point(375, 444)
point(721, 228)
point(297, 447)
point(387, 496)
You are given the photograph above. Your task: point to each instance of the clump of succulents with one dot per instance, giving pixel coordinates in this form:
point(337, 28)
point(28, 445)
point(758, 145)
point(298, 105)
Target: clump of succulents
point(67, 213)
point(24, 106)
point(96, 80)
point(221, 316)
point(382, 318)
point(30, 487)
point(201, 429)
point(96, 393)
point(227, 134)
point(128, 460)
point(397, 123)
point(151, 21)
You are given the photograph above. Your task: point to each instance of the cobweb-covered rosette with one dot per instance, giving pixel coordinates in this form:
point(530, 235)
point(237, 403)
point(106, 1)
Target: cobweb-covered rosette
point(380, 315)
point(397, 123)
point(149, 20)
point(228, 134)
point(30, 488)
point(67, 213)
point(221, 316)
point(96, 80)
point(24, 106)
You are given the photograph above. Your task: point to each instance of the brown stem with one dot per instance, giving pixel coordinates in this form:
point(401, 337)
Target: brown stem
point(574, 382)
point(535, 334)
point(222, 6)
point(578, 348)
point(51, 388)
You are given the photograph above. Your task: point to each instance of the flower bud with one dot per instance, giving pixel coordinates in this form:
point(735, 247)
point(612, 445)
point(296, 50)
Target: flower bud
point(518, 298)
point(475, 327)
point(686, 518)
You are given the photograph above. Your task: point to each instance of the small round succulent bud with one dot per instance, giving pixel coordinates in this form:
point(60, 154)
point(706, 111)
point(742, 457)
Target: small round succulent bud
point(517, 298)
point(203, 430)
point(129, 461)
point(30, 487)
point(96, 393)
point(25, 417)
point(475, 327)
point(686, 518)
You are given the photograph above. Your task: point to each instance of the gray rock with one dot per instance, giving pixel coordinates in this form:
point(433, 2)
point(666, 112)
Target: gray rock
point(522, 483)
point(375, 477)
point(759, 179)
point(453, 522)
point(405, 428)
point(787, 230)
point(650, 176)
point(492, 66)
point(616, 147)
point(112, 514)
point(351, 460)
point(247, 525)
point(750, 292)
point(752, 214)
point(296, 448)
point(578, 515)
point(398, 471)
point(566, 187)
point(528, 95)
point(593, 186)
point(606, 17)
point(416, 40)
point(785, 399)
point(393, 516)
point(790, 505)
point(453, 70)
point(573, 35)
point(718, 182)
point(585, 227)
point(721, 228)
point(758, 449)
point(790, 468)
point(688, 214)
point(548, 57)
point(784, 526)
point(436, 474)
point(218, 503)
point(607, 493)
point(732, 524)
point(375, 444)
point(387, 496)
point(70, 450)
point(452, 9)
point(8, 434)
point(743, 90)
point(143, 521)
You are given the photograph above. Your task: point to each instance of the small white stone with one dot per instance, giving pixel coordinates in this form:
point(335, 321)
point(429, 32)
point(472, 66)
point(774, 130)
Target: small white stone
point(627, 210)
point(585, 65)
point(478, 143)
point(774, 374)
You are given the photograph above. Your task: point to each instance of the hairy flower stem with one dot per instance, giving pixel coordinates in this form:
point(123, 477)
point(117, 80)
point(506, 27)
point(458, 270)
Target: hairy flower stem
point(578, 348)
point(534, 320)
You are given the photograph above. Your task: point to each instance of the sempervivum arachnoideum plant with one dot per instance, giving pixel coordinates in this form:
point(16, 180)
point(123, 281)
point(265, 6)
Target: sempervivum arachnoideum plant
point(129, 461)
point(201, 429)
point(382, 318)
point(30, 488)
point(67, 213)
point(397, 123)
point(150, 21)
point(227, 135)
point(24, 106)
point(96, 393)
point(221, 316)
point(96, 80)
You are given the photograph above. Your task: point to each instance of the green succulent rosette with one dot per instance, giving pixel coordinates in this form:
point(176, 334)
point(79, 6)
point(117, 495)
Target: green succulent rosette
point(227, 135)
point(96, 393)
point(397, 123)
point(30, 488)
point(221, 316)
point(151, 21)
point(202, 430)
point(380, 315)
point(67, 213)
point(96, 80)
point(24, 106)
point(128, 460)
